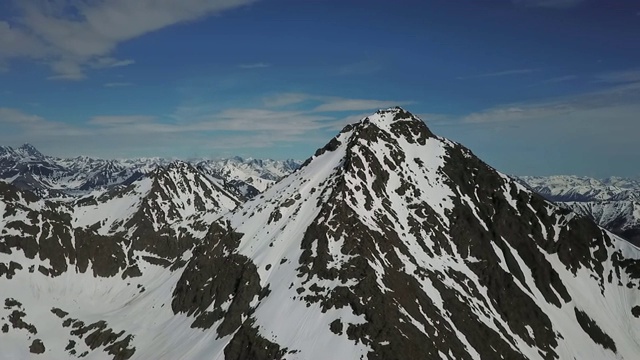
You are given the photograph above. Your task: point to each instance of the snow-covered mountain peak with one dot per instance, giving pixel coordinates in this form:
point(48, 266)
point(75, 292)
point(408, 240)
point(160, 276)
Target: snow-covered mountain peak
point(393, 243)
point(394, 126)
point(29, 150)
point(176, 167)
point(389, 243)
point(392, 119)
point(25, 152)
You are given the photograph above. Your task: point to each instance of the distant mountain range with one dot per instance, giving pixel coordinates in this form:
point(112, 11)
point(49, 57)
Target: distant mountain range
point(614, 203)
point(388, 243)
point(28, 169)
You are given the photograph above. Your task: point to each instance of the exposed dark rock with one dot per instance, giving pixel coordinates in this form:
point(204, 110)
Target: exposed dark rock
point(99, 335)
point(71, 345)
point(37, 347)
point(131, 272)
point(10, 302)
point(10, 270)
point(214, 275)
point(157, 261)
point(593, 330)
point(59, 313)
point(248, 344)
point(121, 350)
point(15, 318)
point(336, 327)
point(105, 253)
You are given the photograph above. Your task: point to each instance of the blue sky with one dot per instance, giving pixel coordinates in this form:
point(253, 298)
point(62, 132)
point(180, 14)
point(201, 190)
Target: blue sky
point(534, 87)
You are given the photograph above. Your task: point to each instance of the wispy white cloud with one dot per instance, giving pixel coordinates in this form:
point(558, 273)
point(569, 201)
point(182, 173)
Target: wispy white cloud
point(499, 74)
point(327, 104)
point(109, 62)
point(559, 79)
point(15, 116)
point(118, 84)
point(73, 36)
point(16, 41)
point(593, 133)
point(341, 104)
point(616, 77)
point(259, 65)
point(197, 126)
point(612, 98)
point(517, 112)
point(285, 99)
point(200, 120)
point(120, 120)
point(30, 124)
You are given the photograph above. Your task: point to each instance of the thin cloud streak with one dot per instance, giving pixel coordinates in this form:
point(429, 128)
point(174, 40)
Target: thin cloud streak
point(499, 74)
point(285, 99)
point(330, 103)
point(118, 84)
point(559, 79)
point(254, 66)
point(617, 77)
point(553, 4)
point(260, 127)
point(337, 105)
point(612, 97)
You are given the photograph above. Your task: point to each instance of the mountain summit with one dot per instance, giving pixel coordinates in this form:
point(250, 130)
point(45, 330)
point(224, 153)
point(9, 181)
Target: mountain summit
point(389, 243)
point(394, 243)
point(29, 150)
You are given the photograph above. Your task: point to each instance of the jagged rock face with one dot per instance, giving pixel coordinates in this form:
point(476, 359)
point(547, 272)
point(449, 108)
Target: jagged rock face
point(27, 168)
point(177, 210)
point(164, 213)
point(614, 203)
point(392, 243)
point(38, 235)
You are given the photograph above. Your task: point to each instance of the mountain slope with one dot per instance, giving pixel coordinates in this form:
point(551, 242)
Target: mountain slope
point(165, 213)
point(74, 288)
point(614, 203)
